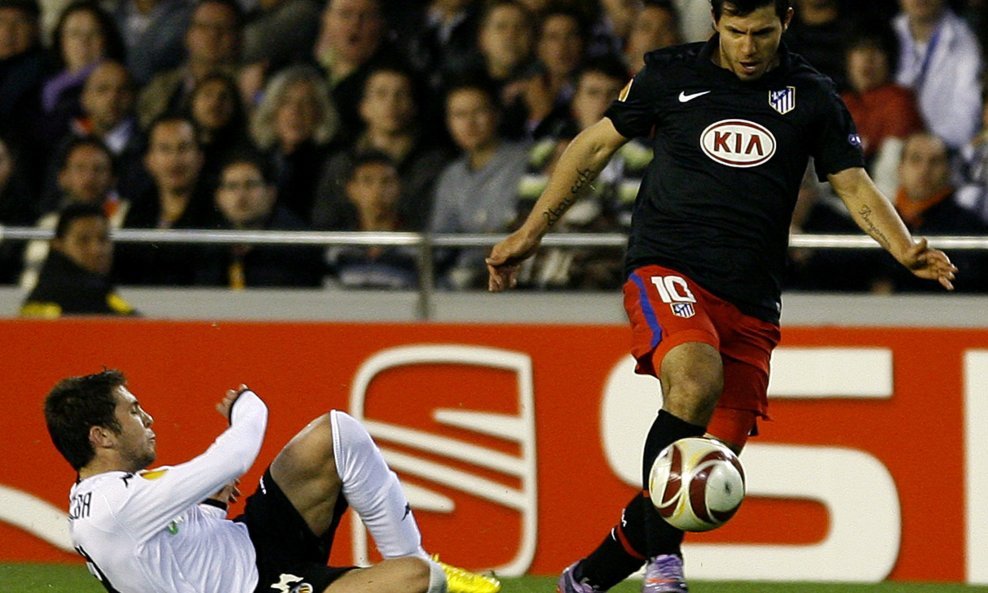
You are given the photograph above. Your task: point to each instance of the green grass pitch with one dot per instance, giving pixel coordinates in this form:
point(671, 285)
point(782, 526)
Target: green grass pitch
point(47, 578)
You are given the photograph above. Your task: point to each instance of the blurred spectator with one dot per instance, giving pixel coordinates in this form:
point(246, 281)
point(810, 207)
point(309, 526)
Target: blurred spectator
point(536, 101)
point(470, 194)
point(75, 279)
point(504, 41)
point(107, 103)
point(84, 35)
point(373, 186)
point(612, 26)
point(212, 43)
point(85, 176)
point(246, 199)
point(389, 110)
point(609, 204)
point(927, 202)
point(816, 33)
point(883, 112)
point(444, 36)
point(351, 42)
point(154, 33)
point(655, 27)
point(177, 200)
point(216, 109)
point(294, 126)
point(972, 165)
point(18, 207)
point(941, 61)
point(696, 23)
point(281, 32)
point(21, 74)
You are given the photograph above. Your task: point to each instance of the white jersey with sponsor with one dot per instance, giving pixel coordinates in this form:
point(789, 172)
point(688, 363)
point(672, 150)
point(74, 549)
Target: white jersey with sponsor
point(151, 533)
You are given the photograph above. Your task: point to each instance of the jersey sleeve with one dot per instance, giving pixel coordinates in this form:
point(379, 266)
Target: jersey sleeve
point(837, 145)
point(635, 111)
point(162, 494)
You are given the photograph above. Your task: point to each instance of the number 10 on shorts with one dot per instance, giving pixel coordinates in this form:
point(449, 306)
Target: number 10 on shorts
point(675, 291)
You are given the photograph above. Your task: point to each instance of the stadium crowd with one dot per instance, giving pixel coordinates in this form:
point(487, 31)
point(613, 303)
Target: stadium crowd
point(438, 116)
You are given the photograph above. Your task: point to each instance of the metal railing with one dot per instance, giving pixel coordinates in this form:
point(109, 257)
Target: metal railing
point(426, 242)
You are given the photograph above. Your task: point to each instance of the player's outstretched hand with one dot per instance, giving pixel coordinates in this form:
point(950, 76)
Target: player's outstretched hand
point(930, 264)
point(227, 402)
point(505, 257)
point(228, 494)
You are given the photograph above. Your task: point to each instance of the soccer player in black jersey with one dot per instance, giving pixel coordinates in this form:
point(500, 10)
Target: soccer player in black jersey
point(733, 123)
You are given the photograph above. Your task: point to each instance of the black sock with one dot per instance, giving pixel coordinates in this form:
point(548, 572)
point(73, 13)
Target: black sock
point(661, 537)
point(612, 562)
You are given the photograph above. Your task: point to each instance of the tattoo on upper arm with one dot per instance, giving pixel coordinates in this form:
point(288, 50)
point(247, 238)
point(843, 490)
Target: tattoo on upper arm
point(871, 228)
point(553, 215)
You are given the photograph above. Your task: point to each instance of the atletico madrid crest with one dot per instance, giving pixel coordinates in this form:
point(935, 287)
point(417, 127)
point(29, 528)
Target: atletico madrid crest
point(685, 310)
point(783, 101)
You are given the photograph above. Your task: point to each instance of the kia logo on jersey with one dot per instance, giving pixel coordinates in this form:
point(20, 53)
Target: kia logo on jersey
point(738, 143)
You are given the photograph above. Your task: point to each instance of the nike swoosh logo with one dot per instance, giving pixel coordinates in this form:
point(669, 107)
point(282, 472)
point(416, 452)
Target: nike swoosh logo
point(684, 98)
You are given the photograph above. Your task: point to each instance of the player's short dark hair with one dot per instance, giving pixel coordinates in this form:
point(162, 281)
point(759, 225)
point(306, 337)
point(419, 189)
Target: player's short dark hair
point(73, 212)
point(75, 405)
point(746, 7)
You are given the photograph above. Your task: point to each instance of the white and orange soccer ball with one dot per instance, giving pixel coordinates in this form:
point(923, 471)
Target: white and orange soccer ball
point(696, 484)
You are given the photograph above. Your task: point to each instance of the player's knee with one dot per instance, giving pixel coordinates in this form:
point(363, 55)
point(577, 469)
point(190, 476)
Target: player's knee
point(417, 574)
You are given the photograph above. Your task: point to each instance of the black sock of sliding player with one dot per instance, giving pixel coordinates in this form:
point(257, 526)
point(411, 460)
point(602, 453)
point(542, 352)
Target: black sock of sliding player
point(662, 538)
point(621, 553)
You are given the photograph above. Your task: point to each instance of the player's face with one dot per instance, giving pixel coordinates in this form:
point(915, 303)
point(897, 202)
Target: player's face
point(749, 44)
point(136, 444)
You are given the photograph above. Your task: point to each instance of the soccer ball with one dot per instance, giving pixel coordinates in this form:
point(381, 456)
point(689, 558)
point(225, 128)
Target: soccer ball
point(696, 484)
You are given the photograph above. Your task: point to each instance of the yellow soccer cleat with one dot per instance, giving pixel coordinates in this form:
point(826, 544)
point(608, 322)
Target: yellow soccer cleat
point(459, 580)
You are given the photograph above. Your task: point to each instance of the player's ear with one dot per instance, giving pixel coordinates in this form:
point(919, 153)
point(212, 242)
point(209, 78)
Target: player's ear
point(99, 437)
point(788, 19)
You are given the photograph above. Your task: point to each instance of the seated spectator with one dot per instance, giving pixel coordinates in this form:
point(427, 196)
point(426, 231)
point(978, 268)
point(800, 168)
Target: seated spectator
point(505, 39)
point(246, 199)
point(294, 126)
point(972, 170)
point(535, 103)
point(153, 33)
point(816, 32)
point(21, 75)
point(75, 279)
point(374, 186)
point(212, 43)
point(655, 27)
point(612, 24)
point(85, 176)
point(941, 62)
point(281, 32)
point(609, 205)
point(220, 118)
point(927, 203)
point(389, 110)
point(445, 34)
point(108, 113)
point(18, 207)
point(178, 199)
point(84, 35)
point(470, 195)
point(352, 40)
point(883, 112)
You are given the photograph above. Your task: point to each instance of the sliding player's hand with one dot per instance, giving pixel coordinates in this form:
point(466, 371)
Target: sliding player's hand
point(226, 404)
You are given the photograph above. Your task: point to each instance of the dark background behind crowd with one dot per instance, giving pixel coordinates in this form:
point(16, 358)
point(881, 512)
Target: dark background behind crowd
point(441, 116)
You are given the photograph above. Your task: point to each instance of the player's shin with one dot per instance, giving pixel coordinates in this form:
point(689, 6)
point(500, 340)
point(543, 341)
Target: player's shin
point(373, 490)
point(662, 538)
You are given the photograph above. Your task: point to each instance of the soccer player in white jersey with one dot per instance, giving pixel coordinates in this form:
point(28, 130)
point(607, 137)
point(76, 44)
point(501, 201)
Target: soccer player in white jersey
point(166, 530)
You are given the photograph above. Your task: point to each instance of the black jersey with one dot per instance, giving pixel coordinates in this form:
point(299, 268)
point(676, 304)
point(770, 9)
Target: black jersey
point(717, 200)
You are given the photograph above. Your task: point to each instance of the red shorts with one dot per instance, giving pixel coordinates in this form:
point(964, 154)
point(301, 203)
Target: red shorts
point(667, 309)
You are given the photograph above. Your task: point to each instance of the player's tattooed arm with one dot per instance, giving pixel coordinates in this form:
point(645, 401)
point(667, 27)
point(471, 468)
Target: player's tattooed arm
point(871, 228)
point(552, 215)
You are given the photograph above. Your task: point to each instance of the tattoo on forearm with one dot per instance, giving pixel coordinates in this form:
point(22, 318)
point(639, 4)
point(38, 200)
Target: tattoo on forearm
point(553, 215)
point(872, 229)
